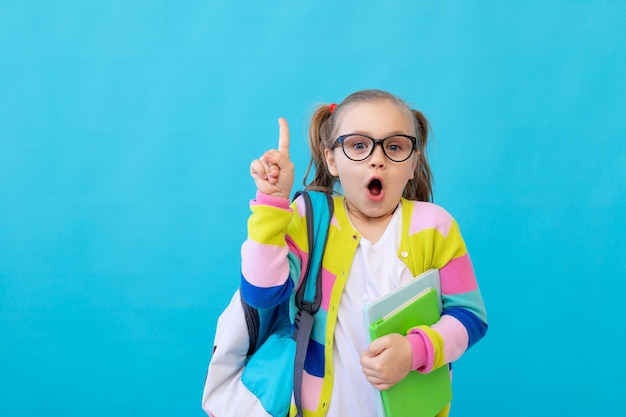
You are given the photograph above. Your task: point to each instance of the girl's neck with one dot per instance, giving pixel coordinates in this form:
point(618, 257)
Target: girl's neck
point(371, 228)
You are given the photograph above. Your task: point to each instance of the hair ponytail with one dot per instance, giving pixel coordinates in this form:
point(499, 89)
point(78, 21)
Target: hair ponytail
point(319, 139)
point(421, 186)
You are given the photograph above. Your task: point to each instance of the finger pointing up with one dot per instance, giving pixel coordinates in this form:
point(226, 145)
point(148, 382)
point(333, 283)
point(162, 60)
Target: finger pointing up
point(283, 136)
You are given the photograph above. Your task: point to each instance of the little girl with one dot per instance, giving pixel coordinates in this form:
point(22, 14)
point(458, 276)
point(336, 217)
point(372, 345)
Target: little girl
point(384, 232)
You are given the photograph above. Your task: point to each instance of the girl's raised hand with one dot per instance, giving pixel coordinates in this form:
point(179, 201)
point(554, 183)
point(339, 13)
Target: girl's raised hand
point(273, 172)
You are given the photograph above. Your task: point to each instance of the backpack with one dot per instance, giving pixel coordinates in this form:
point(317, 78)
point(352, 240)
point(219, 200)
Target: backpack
point(258, 354)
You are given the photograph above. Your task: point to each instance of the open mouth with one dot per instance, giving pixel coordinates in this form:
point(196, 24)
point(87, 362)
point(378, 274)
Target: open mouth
point(375, 187)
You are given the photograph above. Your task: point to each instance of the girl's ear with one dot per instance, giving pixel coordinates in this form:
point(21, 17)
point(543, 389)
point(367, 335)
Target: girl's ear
point(414, 163)
point(329, 154)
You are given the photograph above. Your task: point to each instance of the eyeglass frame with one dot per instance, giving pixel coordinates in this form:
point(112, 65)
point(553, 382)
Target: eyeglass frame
point(342, 138)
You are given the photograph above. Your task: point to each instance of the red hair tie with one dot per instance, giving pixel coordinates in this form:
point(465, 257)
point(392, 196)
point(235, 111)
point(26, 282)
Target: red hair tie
point(332, 107)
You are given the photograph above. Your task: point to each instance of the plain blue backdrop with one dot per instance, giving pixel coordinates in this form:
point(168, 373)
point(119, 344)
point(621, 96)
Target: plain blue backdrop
point(126, 133)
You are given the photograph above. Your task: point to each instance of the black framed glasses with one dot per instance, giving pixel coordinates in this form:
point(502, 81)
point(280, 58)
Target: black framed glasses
point(358, 147)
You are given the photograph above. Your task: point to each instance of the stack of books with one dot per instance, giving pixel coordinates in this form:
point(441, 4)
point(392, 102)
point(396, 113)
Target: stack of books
point(415, 303)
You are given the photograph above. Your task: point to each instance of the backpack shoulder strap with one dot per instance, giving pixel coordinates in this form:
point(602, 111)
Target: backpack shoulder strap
point(251, 315)
point(319, 211)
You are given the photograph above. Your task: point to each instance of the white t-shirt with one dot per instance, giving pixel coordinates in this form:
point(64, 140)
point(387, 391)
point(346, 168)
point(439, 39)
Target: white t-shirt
point(376, 270)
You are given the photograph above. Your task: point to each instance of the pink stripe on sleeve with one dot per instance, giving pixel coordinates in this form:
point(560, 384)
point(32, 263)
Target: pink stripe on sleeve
point(420, 353)
point(430, 216)
point(430, 350)
point(301, 207)
point(310, 395)
point(265, 265)
point(454, 335)
point(457, 276)
point(328, 281)
point(270, 200)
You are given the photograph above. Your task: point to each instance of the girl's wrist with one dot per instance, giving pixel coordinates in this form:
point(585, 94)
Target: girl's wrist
point(271, 200)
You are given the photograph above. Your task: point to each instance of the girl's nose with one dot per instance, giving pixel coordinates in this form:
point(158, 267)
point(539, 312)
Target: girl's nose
point(377, 158)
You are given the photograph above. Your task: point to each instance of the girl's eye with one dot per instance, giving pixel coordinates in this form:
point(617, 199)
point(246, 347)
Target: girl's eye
point(394, 147)
point(358, 143)
point(398, 145)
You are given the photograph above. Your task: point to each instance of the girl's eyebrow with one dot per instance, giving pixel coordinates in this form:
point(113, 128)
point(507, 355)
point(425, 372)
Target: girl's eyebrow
point(392, 133)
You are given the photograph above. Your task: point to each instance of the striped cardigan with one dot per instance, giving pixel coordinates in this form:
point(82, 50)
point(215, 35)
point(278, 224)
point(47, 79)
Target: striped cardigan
point(274, 256)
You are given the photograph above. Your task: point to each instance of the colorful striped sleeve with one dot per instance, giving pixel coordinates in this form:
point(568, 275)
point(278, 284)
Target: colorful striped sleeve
point(464, 320)
point(265, 267)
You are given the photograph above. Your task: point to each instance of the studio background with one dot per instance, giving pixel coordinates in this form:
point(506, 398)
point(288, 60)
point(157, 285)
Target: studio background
point(126, 133)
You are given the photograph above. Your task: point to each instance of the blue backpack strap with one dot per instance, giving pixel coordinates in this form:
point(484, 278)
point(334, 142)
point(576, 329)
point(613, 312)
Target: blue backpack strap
point(319, 210)
point(253, 322)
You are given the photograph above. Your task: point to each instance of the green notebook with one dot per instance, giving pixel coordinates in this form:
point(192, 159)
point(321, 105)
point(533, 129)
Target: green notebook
point(417, 395)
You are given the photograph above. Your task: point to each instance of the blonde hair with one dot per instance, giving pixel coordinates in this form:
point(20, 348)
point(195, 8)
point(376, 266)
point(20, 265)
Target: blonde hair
point(322, 134)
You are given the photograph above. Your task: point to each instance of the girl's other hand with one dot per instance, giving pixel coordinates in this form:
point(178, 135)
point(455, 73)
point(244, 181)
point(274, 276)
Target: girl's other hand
point(387, 361)
point(273, 172)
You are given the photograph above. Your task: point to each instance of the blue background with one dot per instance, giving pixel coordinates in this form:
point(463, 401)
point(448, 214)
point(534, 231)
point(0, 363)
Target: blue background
point(126, 133)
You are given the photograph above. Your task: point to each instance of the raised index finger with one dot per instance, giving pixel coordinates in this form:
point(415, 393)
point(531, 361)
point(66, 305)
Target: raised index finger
point(283, 136)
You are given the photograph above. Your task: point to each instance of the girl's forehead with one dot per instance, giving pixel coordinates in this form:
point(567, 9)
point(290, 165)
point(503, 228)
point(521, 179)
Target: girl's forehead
point(377, 117)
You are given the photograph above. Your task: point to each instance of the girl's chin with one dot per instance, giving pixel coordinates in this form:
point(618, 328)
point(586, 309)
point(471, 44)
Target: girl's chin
point(370, 209)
